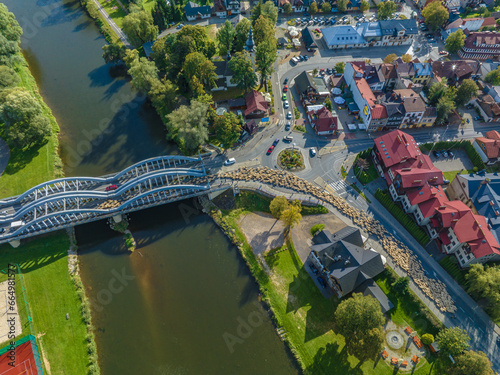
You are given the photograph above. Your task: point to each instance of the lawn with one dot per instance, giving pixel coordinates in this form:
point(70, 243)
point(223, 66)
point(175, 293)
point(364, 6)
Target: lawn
point(114, 10)
point(52, 295)
point(30, 167)
point(148, 5)
point(230, 93)
point(450, 176)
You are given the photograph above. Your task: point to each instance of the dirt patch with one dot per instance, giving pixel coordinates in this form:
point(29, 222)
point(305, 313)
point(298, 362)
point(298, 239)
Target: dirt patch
point(42, 352)
point(263, 232)
point(301, 234)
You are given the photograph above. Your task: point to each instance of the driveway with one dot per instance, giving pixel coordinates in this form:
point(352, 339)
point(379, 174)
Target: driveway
point(4, 155)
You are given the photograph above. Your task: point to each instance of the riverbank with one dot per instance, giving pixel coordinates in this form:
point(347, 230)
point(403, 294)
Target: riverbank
point(30, 167)
point(54, 302)
point(302, 315)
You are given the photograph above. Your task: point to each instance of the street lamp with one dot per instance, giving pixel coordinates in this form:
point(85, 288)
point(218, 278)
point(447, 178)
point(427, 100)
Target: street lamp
point(293, 146)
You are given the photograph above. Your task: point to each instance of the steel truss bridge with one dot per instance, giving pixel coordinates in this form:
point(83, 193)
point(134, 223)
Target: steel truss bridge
point(66, 202)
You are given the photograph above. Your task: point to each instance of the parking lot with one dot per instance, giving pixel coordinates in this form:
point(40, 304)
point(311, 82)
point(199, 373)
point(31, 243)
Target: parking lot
point(459, 161)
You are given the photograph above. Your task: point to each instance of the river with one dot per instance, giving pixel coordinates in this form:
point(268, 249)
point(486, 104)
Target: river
point(184, 302)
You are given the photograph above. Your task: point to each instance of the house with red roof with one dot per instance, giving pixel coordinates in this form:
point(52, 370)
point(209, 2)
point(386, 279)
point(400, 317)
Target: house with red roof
point(257, 107)
point(488, 147)
point(421, 202)
point(322, 120)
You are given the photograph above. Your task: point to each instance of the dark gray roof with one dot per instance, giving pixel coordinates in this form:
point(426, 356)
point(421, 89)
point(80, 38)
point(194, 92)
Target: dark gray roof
point(303, 81)
point(370, 288)
point(391, 27)
point(308, 39)
point(222, 68)
point(345, 259)
point(238, 102)
point(193, 9)
point(394, 109)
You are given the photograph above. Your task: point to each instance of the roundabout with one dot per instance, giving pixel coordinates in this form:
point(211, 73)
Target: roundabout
point(291, 159)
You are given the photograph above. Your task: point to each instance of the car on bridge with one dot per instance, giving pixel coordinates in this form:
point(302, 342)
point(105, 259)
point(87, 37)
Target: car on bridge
point(111, 187)
point(230, 161)
point(321, 282)
point(2, 230)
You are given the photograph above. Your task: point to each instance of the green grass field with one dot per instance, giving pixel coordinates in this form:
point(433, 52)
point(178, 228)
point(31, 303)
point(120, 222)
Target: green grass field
point(51, 295)
point(28, 168)
point(148, 5)
point(114, 10)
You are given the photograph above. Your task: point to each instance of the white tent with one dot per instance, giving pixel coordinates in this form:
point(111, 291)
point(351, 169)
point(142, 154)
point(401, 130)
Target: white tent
point(339, 100)
point(351, 126)
point(336, 91)
point(293, 33)
point(362, 126)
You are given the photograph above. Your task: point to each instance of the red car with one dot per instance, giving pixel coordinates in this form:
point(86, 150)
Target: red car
point(317, 30)
point(285, 89)
point(270, 150)
point(111, 187)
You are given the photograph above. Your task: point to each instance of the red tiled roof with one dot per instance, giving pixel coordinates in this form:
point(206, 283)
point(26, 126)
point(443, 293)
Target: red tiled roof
point(492, 144)
point(359, 66)
point(324, 120)
point(444, 238)
point(379, 112)
point(451, 211)
point(473, 229)
point(396, 147)
point(493, 134)
point(425, 193)
point(255, 101)
point(428, 208)
point(489, 21)
point(365, 90)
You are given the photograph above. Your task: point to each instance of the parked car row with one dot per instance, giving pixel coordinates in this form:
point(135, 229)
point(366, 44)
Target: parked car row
point(299, 58)
point(443, 153)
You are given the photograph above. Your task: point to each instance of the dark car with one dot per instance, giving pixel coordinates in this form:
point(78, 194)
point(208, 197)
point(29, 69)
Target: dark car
point(306, 14)
point(276, 141)
point(498, 340)
point(478, 118)
point(2, 230)
point(313, 268)
point(287, 126)
point(111, 187)
point(306, 57)
point(444, 153)
point(321, 282)
point(329, 71)
point(270, 150)
point(451, 154)
point(301, 58)
point(285, 81)
point(436, 154)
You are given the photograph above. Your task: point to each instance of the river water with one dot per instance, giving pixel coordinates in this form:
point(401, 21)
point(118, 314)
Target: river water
point(184, 302)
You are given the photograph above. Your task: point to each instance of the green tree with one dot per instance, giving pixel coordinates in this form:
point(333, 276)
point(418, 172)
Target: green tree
point(291, 215)
point(386, 9)
point(163, 97)
point(465, 92)
point(8, 77)
point(197, 65)
point(436, 92)
point(256, 12)
point(486, 13)
point(143, 73)
point(313, 7)
point(243, 74)
point(389, 59)
point(200, 39)
point(326, 7)
point(265, 55)
point(139, 28)
point(162, 15)
point(435, 15)
point(270, 11)
point(471, 363)
point(427, 339)
point(406, 57)
point(10, 37)
point(328, 104)
point(364, 6)
point(24, 123)
point(455, 41)
point(113, 53)
point(360, 320)
point(402, 285)
point(342, 5)
point(453, 341)
point(227, 128)
point(225, 37)
point(339, 67)
point(497, 21)
point(263, 31)
point(242, 30)
point(444, 108)
point(287, 8)
point(188, 126)
point(278, 205)
point(484, 282)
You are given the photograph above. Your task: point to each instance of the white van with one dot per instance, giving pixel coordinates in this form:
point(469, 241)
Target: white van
point(287, 138)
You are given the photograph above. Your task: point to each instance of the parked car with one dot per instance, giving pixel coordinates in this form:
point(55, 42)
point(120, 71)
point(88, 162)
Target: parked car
point(436, 154)
point(477, 118)
point(270, 150)
point(443, 52)
point(312, 151)
point(321, 282)
point(287, 126)
point(295, 60)
point(301, 58)
point(451, 154)
point(445, 153)
point(230, 161)
point(2, 230)
point(317, 30)
point(313, 268)
point(306, 14)
point(289, 115)
point(111, 187)
point(333, 22)
point(306, 57)
point(285, 104)
point(328, 71)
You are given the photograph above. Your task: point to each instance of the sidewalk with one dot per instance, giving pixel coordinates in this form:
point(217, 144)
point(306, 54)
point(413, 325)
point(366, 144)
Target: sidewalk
point(112, 24)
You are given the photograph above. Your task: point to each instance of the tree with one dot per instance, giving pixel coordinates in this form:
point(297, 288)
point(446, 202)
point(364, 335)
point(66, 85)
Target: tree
point(406, 57)
point(163, 96)
point(497, 21)
point(243, 74)
point(313, 7)
point(270, 11)
point(143, 72)
point(326, 7)
point(486, 13)
point(24, 123)
point(472, 363)
point(263, 30)
point(225, 37)
point(139, 28)
point(328, 104)
point(188, 126)
point(364, 6)
point(484, 282)
point(197, 65)
point(386, 9)
point(342, 5)
point(10, 37)
point(339, 67)
point(453, 341)
point(435, 15)
point(113, 53)
point(443, 108)
point(265, 55)
point(438, 90)
point(362, 165)
point(8, 77)
point(360, 320)
point(227, 128)
point(389, 59)
point(278, 205)
point(291, 215)
point(242, 30)
point(256, 12)
point(465, 92)
point(287, 8)
point(162, 15)
point(455, 41)
point(402, 285)
point(200, 39)
point(427, 339)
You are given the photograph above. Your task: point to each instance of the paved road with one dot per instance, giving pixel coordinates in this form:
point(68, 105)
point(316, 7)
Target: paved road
point(113, 25)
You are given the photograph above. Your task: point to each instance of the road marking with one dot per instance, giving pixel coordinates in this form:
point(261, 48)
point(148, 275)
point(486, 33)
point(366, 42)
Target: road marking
point(461, 309)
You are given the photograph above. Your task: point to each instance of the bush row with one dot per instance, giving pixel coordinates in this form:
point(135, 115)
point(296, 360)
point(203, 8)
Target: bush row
point(402, 217)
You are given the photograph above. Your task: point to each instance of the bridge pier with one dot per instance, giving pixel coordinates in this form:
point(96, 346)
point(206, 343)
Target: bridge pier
point(117, 218)
point(15, 243)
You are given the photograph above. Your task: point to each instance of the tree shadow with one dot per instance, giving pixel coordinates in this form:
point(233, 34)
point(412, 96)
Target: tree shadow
point(67, 12)
point(82, 26)
point(329, 360)
point(20, 158)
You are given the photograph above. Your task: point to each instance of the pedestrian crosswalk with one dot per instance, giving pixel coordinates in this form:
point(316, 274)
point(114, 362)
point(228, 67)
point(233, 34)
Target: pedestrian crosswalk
point(340, 186)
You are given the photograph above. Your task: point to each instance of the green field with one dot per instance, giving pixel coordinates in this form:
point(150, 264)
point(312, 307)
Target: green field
point(114, 10)
point(52, 295)
point(30, 167)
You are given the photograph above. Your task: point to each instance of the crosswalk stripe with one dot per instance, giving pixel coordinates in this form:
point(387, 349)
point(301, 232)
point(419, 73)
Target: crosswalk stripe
point(338, 185)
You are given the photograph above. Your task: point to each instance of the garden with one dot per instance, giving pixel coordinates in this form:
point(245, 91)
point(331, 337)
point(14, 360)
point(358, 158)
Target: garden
point(291, 160)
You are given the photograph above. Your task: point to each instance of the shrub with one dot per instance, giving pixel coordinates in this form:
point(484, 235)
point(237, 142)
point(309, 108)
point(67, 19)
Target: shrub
point(401, 285)
point(427, 339)
point(317, 228)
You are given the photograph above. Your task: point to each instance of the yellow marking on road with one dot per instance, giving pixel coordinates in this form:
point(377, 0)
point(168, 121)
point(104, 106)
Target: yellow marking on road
point(331, 149)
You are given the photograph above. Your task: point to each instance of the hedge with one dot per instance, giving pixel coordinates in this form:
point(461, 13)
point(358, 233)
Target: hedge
point(452, 145)
point(402, 217)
